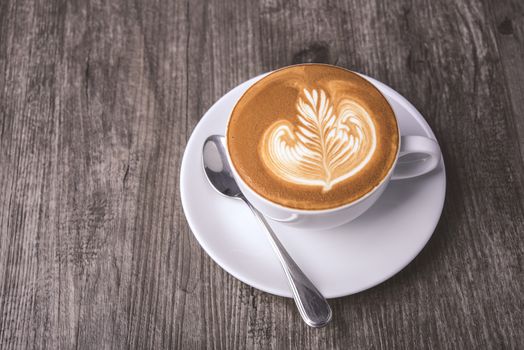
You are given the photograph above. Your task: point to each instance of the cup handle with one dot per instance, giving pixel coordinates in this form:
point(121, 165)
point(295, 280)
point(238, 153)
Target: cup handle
point(418, 155)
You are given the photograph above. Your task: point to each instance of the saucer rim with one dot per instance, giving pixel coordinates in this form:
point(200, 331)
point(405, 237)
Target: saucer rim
point(388, 92)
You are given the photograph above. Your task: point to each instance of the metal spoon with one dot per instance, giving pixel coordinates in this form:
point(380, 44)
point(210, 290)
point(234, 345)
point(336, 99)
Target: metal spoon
point(312, 306)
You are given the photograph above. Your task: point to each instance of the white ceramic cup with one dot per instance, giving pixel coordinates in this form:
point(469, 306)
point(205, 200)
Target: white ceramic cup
point(416, 156)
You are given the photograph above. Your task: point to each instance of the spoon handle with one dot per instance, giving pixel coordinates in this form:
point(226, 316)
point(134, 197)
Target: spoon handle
point(313, 307)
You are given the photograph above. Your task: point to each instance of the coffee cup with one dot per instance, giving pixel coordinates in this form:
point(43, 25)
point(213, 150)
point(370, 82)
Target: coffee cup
point(314, 146)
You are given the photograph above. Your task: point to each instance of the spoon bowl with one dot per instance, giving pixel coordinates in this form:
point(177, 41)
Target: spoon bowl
point(216, 167)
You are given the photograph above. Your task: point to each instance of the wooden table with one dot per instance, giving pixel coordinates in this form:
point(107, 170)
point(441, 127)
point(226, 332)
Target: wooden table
point(98, 99)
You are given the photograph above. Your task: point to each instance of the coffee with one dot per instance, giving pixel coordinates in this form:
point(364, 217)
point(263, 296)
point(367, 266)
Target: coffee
point(312, 137)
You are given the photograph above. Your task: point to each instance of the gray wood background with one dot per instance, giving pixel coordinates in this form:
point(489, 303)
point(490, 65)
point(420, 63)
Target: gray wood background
point(98, 99)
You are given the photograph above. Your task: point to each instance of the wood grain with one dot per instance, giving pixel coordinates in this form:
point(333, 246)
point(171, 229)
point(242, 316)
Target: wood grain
point(98, 99)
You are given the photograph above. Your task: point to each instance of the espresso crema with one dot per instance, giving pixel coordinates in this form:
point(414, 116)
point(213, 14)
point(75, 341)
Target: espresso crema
point(312, 137)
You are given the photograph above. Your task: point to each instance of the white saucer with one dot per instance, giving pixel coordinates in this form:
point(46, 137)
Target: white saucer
point(340, 261)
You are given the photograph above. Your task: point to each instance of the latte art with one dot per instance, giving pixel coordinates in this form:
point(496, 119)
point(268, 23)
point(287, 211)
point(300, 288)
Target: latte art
point(329, 143)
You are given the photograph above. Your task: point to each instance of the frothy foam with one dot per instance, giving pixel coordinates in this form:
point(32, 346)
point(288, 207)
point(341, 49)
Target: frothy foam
point(329, 143)
point(312, 137)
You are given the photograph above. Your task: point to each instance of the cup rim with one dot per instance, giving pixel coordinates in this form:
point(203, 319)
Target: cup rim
point(311, 211)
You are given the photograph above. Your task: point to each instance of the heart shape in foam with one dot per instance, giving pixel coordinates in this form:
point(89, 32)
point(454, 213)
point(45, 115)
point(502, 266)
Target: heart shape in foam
point(328, 144)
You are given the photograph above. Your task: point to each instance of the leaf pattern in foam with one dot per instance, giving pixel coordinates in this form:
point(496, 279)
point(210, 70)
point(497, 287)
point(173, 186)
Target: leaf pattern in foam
point(328, 143)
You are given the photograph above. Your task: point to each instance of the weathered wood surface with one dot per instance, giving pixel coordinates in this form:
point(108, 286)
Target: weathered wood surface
point(98, 99)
